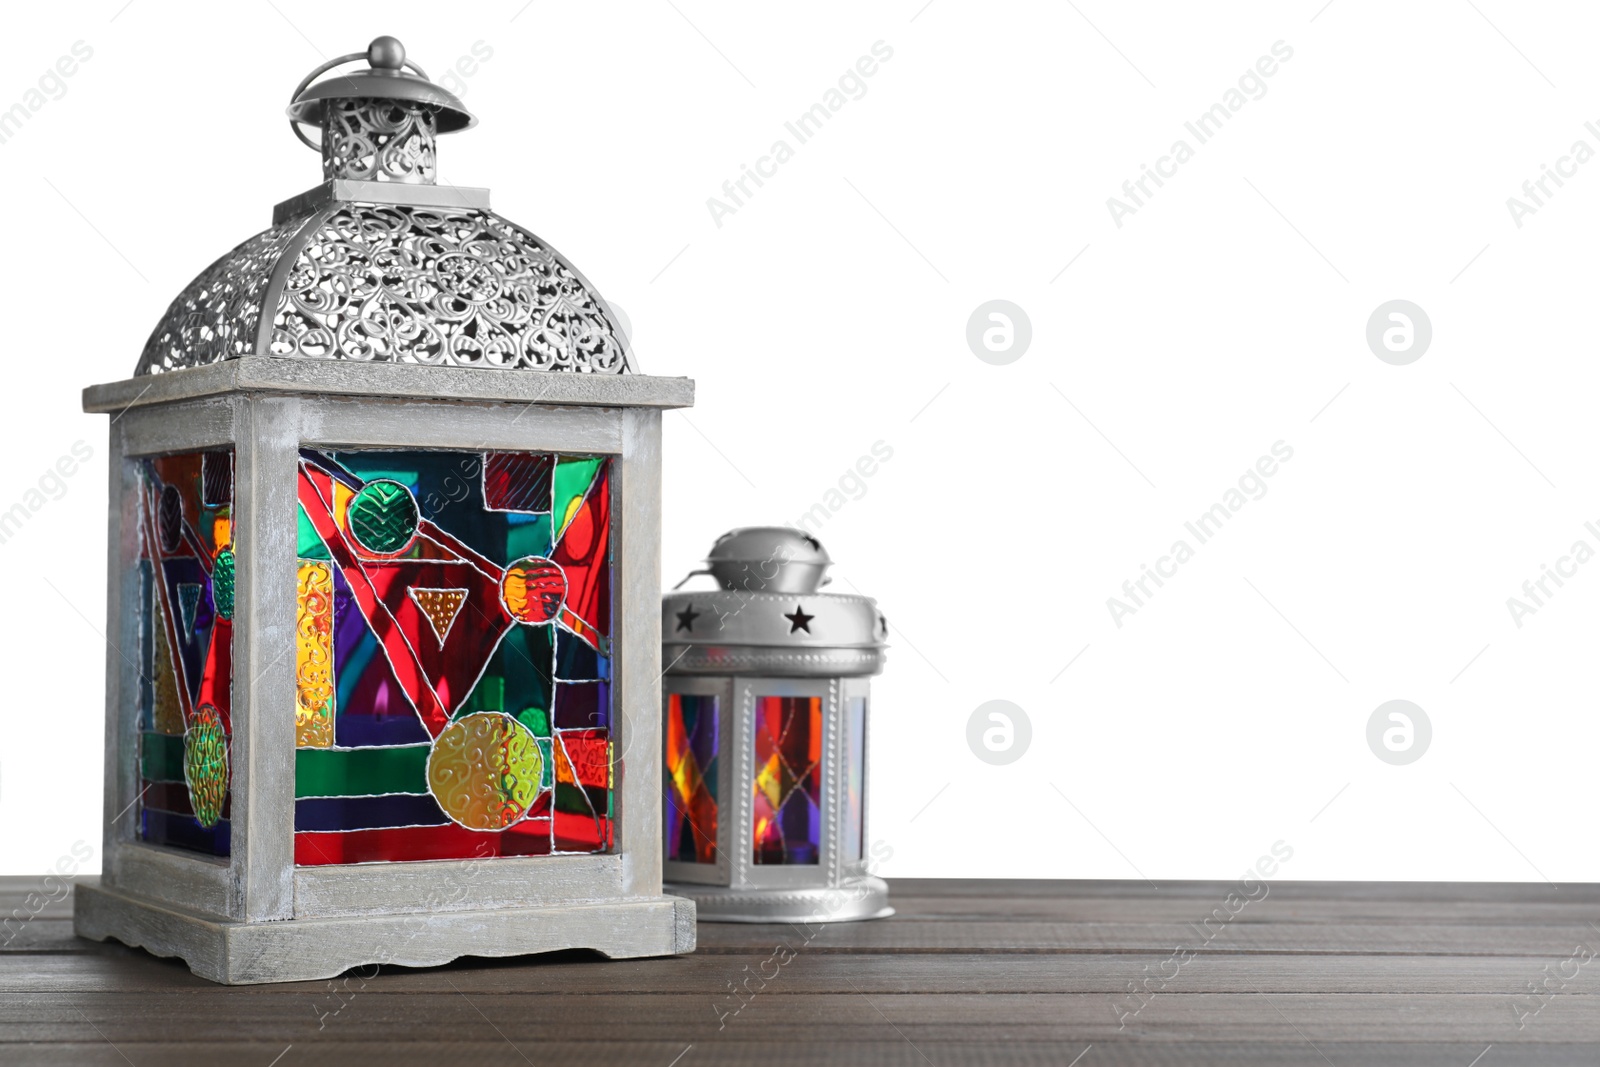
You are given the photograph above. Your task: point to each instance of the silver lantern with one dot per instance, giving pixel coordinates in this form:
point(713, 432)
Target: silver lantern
point(384, 661)
point(765, 744)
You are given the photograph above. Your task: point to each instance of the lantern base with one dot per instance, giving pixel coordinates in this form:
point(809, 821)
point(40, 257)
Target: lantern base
point(300, 950)
point(853, 899)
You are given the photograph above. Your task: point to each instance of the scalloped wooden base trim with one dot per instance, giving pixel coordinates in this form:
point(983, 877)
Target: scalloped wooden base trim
point(300, 950)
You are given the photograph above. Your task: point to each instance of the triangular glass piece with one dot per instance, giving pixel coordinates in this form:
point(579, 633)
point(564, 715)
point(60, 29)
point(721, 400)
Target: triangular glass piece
point(441, 606)
point(188, 601)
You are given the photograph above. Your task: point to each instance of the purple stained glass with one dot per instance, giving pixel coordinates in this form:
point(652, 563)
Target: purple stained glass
point(691, 788)
point(373, 708)
point(582, 705)
point(788, 785)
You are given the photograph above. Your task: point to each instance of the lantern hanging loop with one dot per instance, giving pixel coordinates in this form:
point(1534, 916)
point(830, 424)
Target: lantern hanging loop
point(369, 55)
point(687, 577)
point(384, 80)
point(777, 559)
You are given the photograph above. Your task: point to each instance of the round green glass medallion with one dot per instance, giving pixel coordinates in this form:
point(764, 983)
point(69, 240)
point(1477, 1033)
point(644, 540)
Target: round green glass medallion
point(383, 517)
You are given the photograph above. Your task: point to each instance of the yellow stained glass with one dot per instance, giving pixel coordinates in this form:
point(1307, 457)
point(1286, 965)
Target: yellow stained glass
point(168, 713)
point(313, 695)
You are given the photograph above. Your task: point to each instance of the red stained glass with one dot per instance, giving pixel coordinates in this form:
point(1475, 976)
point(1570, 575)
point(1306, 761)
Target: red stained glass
point(517, 481)
point(788, 785)
point(582, 552)
point(691, 787)
point(410, 843)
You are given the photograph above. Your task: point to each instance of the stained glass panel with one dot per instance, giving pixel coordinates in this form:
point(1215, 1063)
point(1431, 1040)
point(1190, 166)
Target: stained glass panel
point(788, 785)
point(185, 639)
point(691, 791)
point(453, 656)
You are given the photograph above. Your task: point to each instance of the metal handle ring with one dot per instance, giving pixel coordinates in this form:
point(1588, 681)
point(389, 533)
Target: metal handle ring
point(686, 577)
point(294, 124)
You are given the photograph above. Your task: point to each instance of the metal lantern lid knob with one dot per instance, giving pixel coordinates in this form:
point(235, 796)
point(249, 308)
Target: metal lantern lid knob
point(772, 559)
point(386, 53)
point(386, 80)
point(377, 124)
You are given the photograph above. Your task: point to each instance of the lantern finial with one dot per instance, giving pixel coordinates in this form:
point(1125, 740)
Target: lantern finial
point(386, 53)
point(378, 124)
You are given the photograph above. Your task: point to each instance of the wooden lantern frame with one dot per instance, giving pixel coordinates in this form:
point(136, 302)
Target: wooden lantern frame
point(255, 916)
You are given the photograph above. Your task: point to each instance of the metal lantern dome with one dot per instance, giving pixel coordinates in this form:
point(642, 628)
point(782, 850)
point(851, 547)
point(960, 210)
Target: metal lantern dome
point(380, 264)
point(766, 712)
point(385, 525)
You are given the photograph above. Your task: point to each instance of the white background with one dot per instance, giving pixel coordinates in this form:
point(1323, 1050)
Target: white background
point(829, 312)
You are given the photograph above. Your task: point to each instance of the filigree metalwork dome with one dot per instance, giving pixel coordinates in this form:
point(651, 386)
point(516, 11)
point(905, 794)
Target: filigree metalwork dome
point(380, 265)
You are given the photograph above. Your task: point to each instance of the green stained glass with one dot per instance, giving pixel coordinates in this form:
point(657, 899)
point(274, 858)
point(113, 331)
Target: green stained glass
point(572, 480)
point(310, 545)
point(520, 665)
point(537, 720)
point(528, 535)
point(488, 695)
point(161, 758)
point(222, 582)
point(547, 750)
point(335, 772)
point(375, 466)
point(383, 516)
point(570, 799)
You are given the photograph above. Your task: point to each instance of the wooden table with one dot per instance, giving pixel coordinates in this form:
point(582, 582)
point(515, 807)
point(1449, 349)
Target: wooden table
point(984, 972)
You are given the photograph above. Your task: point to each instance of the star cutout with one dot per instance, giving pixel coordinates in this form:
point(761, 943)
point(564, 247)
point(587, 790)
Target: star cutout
point(686, 619)
point(799, 620)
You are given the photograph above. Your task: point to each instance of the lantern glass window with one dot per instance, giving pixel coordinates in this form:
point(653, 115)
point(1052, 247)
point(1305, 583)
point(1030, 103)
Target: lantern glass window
point(452, 656)
point(788, 785)
point(855, 770)
point(184, 614)
point(693, 739)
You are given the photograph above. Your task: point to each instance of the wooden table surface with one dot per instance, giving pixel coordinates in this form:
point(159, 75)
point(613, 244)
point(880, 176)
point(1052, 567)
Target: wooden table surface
point(969, 971)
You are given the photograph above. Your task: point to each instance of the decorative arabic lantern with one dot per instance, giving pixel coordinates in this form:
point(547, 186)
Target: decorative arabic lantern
point(385, 537)
point(766, 714)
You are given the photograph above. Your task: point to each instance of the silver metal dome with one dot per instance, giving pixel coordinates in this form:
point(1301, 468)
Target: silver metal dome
point(392, 283)
point(380, 265)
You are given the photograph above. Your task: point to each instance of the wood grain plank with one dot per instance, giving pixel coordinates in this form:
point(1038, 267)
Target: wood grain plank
point(1271, 908)
point(896, 935)
point(119, 969)
point(919, 903)
point(890, 1052)
point(848, 1016)
point(969, 972)
point(1308, 890)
